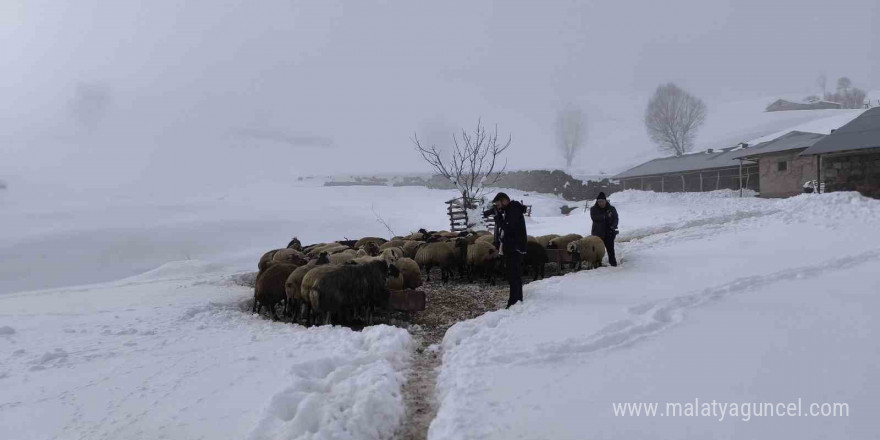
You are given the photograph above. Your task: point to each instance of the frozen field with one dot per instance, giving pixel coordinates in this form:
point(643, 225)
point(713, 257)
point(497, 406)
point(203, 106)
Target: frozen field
point(718, 298)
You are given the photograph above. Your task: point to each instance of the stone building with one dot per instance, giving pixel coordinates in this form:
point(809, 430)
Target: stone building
point(849, 158)
point(782, 170)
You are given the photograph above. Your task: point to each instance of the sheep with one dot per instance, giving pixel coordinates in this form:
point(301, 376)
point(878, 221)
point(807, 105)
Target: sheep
point(460, 246)
point(544, 240)
point(269, 287)
point(410, 247)
point(295, 244)
point(391, 254)
point(563, 241)
point(371, 248)
point(412, 275)
point(397, 282)
point(472, 237)
point(392, 244)
point(482, 257)
point(330, 248)
point(336, 289)
point(351, 252)
point(377, 240)
point(266, 260)
point(531, 239)
point(293, 287)
point(289, 256)
point(535, 258)
point(590, 249)
point(489, 239)
point(341, 258)
point(436, 254)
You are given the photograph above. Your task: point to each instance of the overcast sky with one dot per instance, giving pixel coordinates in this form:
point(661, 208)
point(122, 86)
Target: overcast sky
point(158, 87)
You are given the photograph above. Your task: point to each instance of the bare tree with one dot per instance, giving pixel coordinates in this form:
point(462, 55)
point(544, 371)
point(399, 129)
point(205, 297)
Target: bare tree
point(843, 84)
point(571, 131)
point(673, 117)
point(471, 167)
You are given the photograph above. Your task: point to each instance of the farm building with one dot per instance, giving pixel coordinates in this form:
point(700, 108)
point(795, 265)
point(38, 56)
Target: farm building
point(704, 171)
point(782, 170)
point(783, 105)
point(849, 158)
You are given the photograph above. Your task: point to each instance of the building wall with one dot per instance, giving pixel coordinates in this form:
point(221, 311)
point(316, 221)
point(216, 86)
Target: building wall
point(856, 171)
point(775, 183)
point(727, 178)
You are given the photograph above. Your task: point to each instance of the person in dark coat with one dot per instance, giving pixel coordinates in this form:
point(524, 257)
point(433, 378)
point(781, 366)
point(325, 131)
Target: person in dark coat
point(511, 239)
point(605, 225)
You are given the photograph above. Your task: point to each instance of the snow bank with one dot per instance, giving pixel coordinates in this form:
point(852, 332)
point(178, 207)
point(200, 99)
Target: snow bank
point(738, 300)
point(174, 353)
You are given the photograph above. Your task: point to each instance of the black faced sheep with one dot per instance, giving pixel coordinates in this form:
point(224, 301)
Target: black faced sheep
point(563, 241)
point(590, 249)
point(296, 301)
point(544, 240)
point(295, 244)
point(412, 275)
point(436, 254)
point(482, 258)
point(376, 240)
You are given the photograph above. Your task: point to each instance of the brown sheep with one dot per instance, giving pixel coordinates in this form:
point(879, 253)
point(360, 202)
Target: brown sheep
point(341, 258)
point(266, 260)
point(490, 239)
point(436, 254)
point(590, 249)
point(535, 259)
point(412, 275)
point(269, 288)
point(289, 256)
point(410, 247)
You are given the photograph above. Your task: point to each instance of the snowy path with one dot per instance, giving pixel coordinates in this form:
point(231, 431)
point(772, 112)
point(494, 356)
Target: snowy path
point(553, 368)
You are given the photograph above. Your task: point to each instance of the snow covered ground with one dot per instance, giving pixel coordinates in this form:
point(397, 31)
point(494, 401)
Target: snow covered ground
point(719, 297)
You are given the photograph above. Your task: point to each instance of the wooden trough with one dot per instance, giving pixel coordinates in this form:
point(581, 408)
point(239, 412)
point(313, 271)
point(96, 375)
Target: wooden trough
point(559, 256)
point(408, 300)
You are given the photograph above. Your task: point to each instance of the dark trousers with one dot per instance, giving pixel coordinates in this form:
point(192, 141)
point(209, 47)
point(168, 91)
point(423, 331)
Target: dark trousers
point(513, 261)
point(609, 249)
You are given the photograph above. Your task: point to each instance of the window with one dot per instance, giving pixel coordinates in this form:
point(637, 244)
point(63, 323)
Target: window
point(781, 166)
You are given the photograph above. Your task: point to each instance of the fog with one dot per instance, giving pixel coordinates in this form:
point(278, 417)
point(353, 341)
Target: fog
point(98, 94)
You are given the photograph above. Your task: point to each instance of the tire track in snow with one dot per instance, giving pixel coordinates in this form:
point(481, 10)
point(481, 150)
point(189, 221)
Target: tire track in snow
point(656, 316)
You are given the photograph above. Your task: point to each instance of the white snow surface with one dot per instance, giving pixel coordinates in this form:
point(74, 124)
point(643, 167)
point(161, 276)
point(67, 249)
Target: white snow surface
point(718, 298)
point(175, 354)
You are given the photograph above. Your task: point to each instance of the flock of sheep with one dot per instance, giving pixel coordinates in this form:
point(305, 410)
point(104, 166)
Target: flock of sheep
point(348, 279)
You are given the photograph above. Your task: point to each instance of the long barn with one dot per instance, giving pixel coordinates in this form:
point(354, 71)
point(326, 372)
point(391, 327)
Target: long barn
point(694, 172)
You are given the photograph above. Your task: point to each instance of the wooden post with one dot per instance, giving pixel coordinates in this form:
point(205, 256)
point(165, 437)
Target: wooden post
point(718, 181)
point(701, 181)
point(740, 177)
point(818, 173)
point(683, 187)
point(643, 182)
point(662, 184)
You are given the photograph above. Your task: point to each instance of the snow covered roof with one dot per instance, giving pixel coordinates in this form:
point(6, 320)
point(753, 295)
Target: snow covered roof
point(861, 132)
point(791, 141)
point(709, 159)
